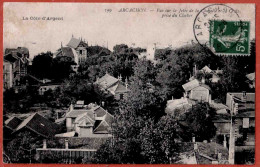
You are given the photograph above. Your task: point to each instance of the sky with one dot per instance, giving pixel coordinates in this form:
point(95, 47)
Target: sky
point(90, 22)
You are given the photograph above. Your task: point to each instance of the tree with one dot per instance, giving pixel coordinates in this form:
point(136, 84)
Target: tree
point(158, 140)
point(199, 122)
point(42, 65)
point(22, 148)
point(139, 141)
point(143, 100)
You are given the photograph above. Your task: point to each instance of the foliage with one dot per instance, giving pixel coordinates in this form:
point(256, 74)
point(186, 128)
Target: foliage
point(45, 66)
point(42, 65)
point(199, 122)
point(22, 148)
point(136, 141)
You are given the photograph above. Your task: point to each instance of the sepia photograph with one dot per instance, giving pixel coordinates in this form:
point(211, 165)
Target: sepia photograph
point(128, 83)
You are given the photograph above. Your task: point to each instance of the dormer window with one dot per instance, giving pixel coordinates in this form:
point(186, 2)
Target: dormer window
point(80, 52)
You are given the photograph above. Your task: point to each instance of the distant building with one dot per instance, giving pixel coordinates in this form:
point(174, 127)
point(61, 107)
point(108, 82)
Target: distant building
point(88, 120)
point(10, 126)
point(113, 85)
point(251, 80)
point(202, 153)
point(182, 103)
point(78, 50)
point(48, 86)
point(75, 149)
point(242, 106)
point(242, 132)
point(197, 90)
point(16, 62)
point(206, 70)
point(35, 123)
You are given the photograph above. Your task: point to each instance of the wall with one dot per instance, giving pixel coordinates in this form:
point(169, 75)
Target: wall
point(8, 75)
point(222, 127)
point(85, 132)
point(68, 124)
point(200, 93)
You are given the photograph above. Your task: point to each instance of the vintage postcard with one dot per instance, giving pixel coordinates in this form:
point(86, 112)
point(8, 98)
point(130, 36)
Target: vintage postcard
point(121, 83)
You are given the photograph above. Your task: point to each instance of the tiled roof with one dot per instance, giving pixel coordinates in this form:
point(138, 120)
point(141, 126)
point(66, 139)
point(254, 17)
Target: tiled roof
point(100, 112)
point(75, 113)
point(206, 69)
point(73, 43)
point(179, 103)
point(84, 117)
point(191, 85)
point(13, 122)
point(106, 81)
point(121, 88)
point(205, 153)
point(222, 118)
point(218, 106)
point(248, 114)
point(250, 97)
point(21, 50)
point(66, 51)
point(84, 143)
point(40, 125)
point(104, 125)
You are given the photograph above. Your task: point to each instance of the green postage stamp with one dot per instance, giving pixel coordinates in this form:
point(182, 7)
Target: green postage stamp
point(230, 37)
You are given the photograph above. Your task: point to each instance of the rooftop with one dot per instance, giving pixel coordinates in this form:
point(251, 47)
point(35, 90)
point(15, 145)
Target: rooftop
point(193, 84)
point(40, 125)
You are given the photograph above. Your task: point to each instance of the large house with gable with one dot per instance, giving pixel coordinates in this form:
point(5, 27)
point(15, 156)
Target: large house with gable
point(197, 90)
point(16, 63)
point(78, 50)
point(113, 85)
point(87, 121)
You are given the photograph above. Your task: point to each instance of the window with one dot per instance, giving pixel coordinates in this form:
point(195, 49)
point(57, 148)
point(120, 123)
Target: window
point(245, 122)
point(121, 96)
point(80, 52)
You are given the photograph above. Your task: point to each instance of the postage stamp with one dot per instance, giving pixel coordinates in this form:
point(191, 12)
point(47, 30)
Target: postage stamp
point(230, 37)
point(220, 28)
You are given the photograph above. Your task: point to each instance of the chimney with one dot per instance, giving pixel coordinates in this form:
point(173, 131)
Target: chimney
point(120, 78)
point(71, 107)
point(66, 144)
point(203, 80)
point(225, 142)
point(44, 144)
point(244, 96)
point(102, 103)
point(193, 139)
point(195, 69)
